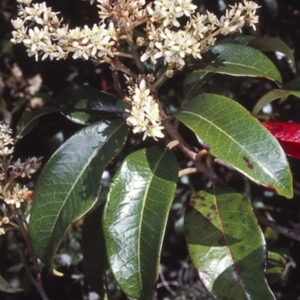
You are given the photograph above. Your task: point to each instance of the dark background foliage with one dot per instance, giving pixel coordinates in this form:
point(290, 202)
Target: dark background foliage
point(278, 18)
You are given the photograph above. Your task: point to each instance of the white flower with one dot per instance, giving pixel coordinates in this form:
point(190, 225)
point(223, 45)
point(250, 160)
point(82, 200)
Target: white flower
point(17, 23)
point(26, 2)
point(186, 7)
point(144, 113)
point(36, 40)
point(35, 84)
point(6, 151)
point(5, 129)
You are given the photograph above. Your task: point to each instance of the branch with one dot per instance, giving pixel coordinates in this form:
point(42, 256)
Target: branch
point(192, 155)
point(117, 85)
point(291, 233)
point(36, 281)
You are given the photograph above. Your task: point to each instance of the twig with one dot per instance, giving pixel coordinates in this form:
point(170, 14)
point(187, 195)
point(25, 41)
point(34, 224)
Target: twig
point(117, 85)
point(37, 280)
point(135, 54)
point(116, 65)
point(185, 148)
point(291, 233)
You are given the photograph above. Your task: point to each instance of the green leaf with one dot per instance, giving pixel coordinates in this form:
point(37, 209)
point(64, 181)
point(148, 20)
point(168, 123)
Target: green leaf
point(226, 245)
point(292, 88)
point(268, 43)
point(69, 184)
point(84, 104)
point(276, 266)
point(30, 119)
point(238, 60)
point(263, 44)
point(6, 287)
point(93, 247)
point(239, 140)
point(135, 218)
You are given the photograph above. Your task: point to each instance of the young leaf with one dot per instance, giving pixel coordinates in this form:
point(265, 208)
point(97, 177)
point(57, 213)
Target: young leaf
point(6, 287)
point(276, 266)
point(226, 245)
point(93, 247)
point(239, 140)
point(292, 88)
point(135, 217)
point(69, 183)
point(288, 135)
point(238, 60)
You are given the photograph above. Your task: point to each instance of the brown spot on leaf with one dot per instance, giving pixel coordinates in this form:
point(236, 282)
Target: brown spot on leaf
point(208, 217)
point(246, 159)
point(202, 198)
point(249, 164)
point(213, 207)
point(230, 199)
point(192, 203)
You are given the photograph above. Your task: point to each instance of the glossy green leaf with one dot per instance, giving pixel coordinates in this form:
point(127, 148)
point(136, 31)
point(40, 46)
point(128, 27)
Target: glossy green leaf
point(292, 88)
point(226, 245)
point(268, 43)
point(264, 44)
point(30, 119)
point(69, 184)
point(84, 104)
point(93, 247)
point(6, 287)
point(239, 140)
point(238, 60)
point(135, 217)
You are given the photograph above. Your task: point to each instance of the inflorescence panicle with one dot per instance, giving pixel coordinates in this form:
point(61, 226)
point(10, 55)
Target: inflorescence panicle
point(172, 31)
point(11, 193)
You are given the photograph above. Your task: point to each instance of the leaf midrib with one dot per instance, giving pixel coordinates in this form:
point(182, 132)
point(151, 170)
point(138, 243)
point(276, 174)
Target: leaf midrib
point(234, 141)
point(77, 180)
point(142, 213)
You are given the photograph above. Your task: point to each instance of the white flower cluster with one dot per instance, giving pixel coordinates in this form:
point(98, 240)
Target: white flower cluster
point(52, 39)
point(6, 143)
point(10, 171)
point(17, 196)
point(144, 113)
point(174, 45)
point(167, 37)
point(3, 221)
